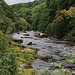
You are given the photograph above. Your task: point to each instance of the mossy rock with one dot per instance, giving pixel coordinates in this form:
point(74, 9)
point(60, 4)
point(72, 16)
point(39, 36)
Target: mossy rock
point(26, 35)
point(18, 40)
point(21, 46)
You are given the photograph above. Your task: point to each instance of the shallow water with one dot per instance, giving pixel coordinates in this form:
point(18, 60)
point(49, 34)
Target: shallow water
point(47, 47)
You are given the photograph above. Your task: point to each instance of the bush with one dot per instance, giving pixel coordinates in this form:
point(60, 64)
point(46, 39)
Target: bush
point(7, 58)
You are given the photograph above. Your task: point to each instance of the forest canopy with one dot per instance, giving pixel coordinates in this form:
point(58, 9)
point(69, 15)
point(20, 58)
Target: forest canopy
point(45, 16)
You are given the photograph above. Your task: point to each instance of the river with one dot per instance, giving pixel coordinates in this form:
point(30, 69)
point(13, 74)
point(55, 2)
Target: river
point(50, 48)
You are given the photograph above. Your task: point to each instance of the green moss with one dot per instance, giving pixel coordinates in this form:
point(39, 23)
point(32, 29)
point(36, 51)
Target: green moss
point(21, 61)
point(30, 71)
point(25, 56)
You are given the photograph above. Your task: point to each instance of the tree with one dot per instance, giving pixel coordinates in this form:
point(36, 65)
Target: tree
point(8, 10)
point(22, 25)
point(52, 9)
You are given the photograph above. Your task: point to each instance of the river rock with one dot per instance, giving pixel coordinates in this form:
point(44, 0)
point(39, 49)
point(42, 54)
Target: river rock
point(18, 40)
point(30, 43)
point(26, 35)
point(42, 35)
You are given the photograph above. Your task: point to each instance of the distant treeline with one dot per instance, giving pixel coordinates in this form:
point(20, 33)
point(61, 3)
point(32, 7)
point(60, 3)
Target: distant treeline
point(54, 17)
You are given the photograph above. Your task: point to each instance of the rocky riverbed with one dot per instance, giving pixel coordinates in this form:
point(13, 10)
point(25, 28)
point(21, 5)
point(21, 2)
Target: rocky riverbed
point(50, 49)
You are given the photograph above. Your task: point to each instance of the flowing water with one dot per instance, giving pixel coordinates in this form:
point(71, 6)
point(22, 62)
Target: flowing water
point(49, 48)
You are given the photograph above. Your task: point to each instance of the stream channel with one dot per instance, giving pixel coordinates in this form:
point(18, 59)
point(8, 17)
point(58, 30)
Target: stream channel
point(49, 48)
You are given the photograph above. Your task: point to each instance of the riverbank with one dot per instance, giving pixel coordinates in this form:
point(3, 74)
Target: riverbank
point(24, 57)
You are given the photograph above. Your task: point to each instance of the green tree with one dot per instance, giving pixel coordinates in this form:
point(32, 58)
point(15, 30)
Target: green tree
point(51, 4)
point(22, 25)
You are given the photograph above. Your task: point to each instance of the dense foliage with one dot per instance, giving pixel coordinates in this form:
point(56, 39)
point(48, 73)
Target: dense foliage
point(49, 16)
point(62, 20)
point(8, 18)
point(53, 17)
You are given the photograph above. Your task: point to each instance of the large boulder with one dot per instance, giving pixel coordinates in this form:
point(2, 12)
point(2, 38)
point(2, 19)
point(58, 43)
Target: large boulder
point(42, 35)
point(30, 43)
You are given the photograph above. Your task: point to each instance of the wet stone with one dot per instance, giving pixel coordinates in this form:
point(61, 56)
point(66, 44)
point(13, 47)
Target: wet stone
point(26, 35)
point(30, 43)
